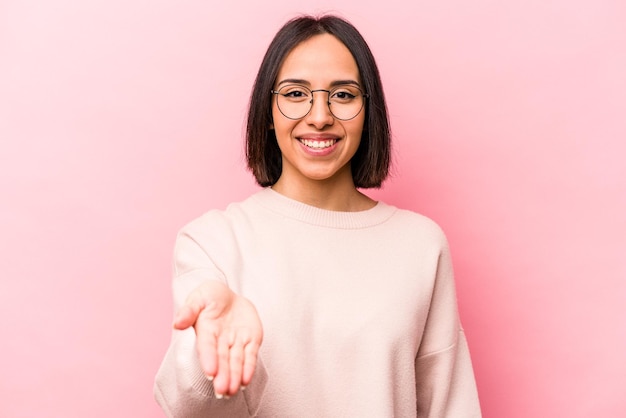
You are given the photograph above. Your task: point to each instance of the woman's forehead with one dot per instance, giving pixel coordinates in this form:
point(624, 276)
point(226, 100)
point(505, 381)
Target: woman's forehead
point(322, 58)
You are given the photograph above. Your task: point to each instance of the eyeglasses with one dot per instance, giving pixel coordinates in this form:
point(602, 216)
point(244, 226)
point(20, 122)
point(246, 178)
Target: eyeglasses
point(344, 101)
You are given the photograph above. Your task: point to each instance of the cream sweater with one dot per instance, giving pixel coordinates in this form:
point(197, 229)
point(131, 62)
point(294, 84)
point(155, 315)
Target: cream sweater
point(358, 309)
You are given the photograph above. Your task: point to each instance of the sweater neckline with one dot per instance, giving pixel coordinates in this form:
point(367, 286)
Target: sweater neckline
point(296, 210)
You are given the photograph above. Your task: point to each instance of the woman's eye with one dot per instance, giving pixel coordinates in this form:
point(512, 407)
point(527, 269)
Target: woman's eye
point(295, 93)
point(343, 95)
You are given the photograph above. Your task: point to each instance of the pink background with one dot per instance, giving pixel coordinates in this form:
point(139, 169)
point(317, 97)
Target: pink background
point(122, 120)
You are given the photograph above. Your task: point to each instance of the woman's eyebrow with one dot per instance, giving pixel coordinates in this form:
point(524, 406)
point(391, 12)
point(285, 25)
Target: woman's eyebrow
point(344, 82)
point(294, 81)
point(307, 83)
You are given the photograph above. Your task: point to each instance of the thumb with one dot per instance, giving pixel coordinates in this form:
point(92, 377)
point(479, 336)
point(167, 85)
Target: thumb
point(189, 312)
point(185, 317)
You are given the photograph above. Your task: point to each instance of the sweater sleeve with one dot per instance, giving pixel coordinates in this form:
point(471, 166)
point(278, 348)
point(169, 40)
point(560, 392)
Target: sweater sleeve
point(445, 382)
point(181, 388)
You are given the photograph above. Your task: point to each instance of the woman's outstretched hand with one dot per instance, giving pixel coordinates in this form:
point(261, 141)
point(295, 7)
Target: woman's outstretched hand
point(228, 335)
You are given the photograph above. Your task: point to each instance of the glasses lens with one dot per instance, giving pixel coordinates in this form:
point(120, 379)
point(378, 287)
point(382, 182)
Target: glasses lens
point(345, 102)
point(295, 101)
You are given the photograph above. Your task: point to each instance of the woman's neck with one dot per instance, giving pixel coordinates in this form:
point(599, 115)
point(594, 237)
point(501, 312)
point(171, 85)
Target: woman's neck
point(337, 194)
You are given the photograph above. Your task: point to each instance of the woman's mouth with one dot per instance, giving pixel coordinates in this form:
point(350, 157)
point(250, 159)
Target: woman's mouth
point(317, 144)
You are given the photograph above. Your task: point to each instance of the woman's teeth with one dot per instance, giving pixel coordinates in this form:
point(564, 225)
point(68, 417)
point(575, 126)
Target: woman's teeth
point(318, 144)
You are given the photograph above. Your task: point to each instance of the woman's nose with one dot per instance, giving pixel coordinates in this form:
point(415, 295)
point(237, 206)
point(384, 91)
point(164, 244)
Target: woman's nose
point(320, 115)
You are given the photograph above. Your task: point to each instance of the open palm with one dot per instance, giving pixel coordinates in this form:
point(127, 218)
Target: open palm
point(228, 334)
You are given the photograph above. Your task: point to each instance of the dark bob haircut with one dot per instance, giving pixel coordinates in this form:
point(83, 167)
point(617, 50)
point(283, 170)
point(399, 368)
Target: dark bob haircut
point(370, 164)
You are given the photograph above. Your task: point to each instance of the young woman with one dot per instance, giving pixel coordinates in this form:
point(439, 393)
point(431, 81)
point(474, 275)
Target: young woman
point(311, 296)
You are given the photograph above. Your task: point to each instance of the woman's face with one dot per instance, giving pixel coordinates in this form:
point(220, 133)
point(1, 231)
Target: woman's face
point(318, 146)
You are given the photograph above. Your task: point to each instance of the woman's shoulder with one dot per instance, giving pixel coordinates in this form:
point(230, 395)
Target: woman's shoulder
point(413, 222)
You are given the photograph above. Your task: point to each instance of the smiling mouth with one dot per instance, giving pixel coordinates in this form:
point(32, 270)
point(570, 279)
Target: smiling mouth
point(318, 144)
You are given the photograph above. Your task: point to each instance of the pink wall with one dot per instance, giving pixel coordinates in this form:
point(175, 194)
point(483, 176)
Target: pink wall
point(122, 120)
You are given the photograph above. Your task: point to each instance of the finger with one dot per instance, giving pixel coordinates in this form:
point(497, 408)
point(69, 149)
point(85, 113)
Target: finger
point(236, 367)
point(251, 352)
point(222, 378)
point(206, 343)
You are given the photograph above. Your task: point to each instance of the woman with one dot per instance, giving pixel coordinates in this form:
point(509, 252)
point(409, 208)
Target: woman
point(318, 300)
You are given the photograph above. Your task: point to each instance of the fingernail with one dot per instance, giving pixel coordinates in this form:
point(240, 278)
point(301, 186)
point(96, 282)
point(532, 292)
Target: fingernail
point(210, 378)
point(219, 395)
point(243, 387)
point(226, 397)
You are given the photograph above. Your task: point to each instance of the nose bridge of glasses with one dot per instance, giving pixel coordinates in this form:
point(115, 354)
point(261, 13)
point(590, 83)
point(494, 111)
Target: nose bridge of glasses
point(325, 104)
point(320, 90)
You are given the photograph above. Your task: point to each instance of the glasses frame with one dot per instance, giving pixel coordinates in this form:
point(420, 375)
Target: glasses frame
point(277, 92)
